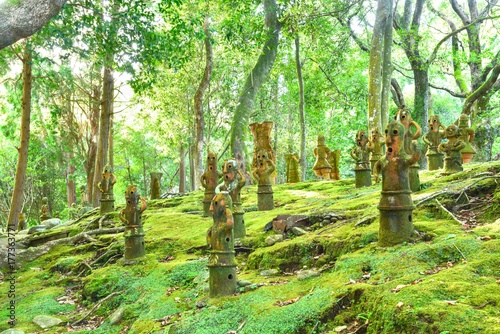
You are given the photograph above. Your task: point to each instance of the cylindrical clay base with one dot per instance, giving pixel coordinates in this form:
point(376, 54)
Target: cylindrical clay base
point(395, 227)
point(363, 178)
point(134, 247)
point(222, 280)
point(239, 229)
point(435, 161)
point(265, 200)
point(414, 178)
point(107, 205)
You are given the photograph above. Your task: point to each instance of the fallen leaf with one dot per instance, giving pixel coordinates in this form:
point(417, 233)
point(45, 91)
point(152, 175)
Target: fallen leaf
point(486, 237)
point(451, 302)
point(339, 329)
point(286, 302)
point(351, 281)
point(399, 305)
point(399, 288)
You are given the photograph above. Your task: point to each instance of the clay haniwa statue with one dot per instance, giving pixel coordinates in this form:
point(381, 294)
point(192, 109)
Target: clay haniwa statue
point(155, 185)
point(395, 205)
point(262, 173)
point(106, 188)
point(467, 135)
point(21, 223)
point(262, 141)
point(375, 143)
point(131, 216)
point(220, 238)
point(403, 115)
point(451, 149)
point(321, 167)
point(334, 161)
point(361, 155)
point(433, 139)
point(44, 211)
point(233, 182)
point(292, 168)
point(209, 180)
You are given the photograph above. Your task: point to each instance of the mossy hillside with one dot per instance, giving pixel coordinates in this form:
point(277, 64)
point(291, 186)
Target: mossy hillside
point(355, 284)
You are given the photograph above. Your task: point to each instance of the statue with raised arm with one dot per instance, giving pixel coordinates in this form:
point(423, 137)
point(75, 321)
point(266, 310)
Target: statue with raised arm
point(334, 161)
point(452, 151)
point(209, 180)
point(292, 168)
point(220, 238)
point(374, 146)
point(131, 216)
point(262, 173)
point(403, 116)
point(433, 139)
point(105, 186)
point(395, 204)
point(467, 135)
point(233, 182)
point(360, 154)
point(321, 167)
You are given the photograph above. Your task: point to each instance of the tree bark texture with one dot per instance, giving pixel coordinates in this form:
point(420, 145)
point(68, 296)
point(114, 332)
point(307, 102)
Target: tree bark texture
point(92, 141)
point(302, 113)
point(20, 19)
point(256, 78)
point(198, 108)
point(70, 183)
point(104, 128)
point(380, 67)
point(17, 201)
point(182, 169)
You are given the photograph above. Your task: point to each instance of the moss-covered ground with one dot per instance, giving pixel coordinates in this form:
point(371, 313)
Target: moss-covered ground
point(446, 280)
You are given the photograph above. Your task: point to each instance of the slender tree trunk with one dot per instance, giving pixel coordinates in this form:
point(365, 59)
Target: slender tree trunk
point(386, 67)
point(302, 112)
point(104, 128)
point(110, 143)
point(182, 169)
point(256, 78)
point(70, 183)
point(16, 205)
point(192, 182)
point(92, 141)
point(198, 109)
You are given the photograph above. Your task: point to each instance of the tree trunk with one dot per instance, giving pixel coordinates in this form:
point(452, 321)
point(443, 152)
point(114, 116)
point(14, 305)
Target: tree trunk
point(16, 205)
point(20, 19)
point(104, 128)
point(302, 113)
point(198, 109)
point(92, 142)
point(191, 167)
point(258, 75)
point(70, 183)
point(182, 169)
point(380, 67)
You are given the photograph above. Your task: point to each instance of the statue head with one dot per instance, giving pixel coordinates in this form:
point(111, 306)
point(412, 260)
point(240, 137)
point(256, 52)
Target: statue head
point(433, 123)
point(394, 137)
point(20, 216)
point(375, 133)
point(229, 169)
point(321, 140)
point(463, 121)
point(452, 131)
point(106, 170)
point(361, 138)
point(220, 203)
point(403, 116)
point(132, 195)
point(262, 157)
point(211, 161)
point(45, 201)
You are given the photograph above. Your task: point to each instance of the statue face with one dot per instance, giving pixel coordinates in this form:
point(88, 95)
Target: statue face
point(463, 120)
point(452, 131)
point(403, 115)
point(262, 156)
point(229, 169)
point(361, 138)
point(433, 123)
point(106, 170)
point(394, 137)
point(321, 140)
point(131, 194)
point(219, 205)
point(375, 132)
point(211, 158)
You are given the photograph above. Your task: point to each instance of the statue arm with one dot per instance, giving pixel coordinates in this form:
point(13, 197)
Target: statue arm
point(471, 134)
point(459, 145)
point(230, 219)
point(209, 237)
point(416, 153)
point(271, 167)
point(370, 146)
point(113, 179)
point(255, 174)
point(443, 147)
point(242, 181)
point(203, 180)
point(377, 168)
point(426, 140)
point(418, 132)
point(144, 204)
point(353, 153)
point(122, 217)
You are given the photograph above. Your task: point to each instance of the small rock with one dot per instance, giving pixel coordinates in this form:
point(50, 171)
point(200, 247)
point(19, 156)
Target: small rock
point(37, 228)
point(12, 331)
point(272, 239)
point(298, 231)
point(117, 316)
point(46, 321)
point(52, 222)
point(304, 274)
point(325, 221)
point(269, 272)
point(244, 283)
point(201, 304)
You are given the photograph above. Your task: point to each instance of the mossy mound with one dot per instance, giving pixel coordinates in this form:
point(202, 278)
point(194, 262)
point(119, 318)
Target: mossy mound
point(446, 280)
